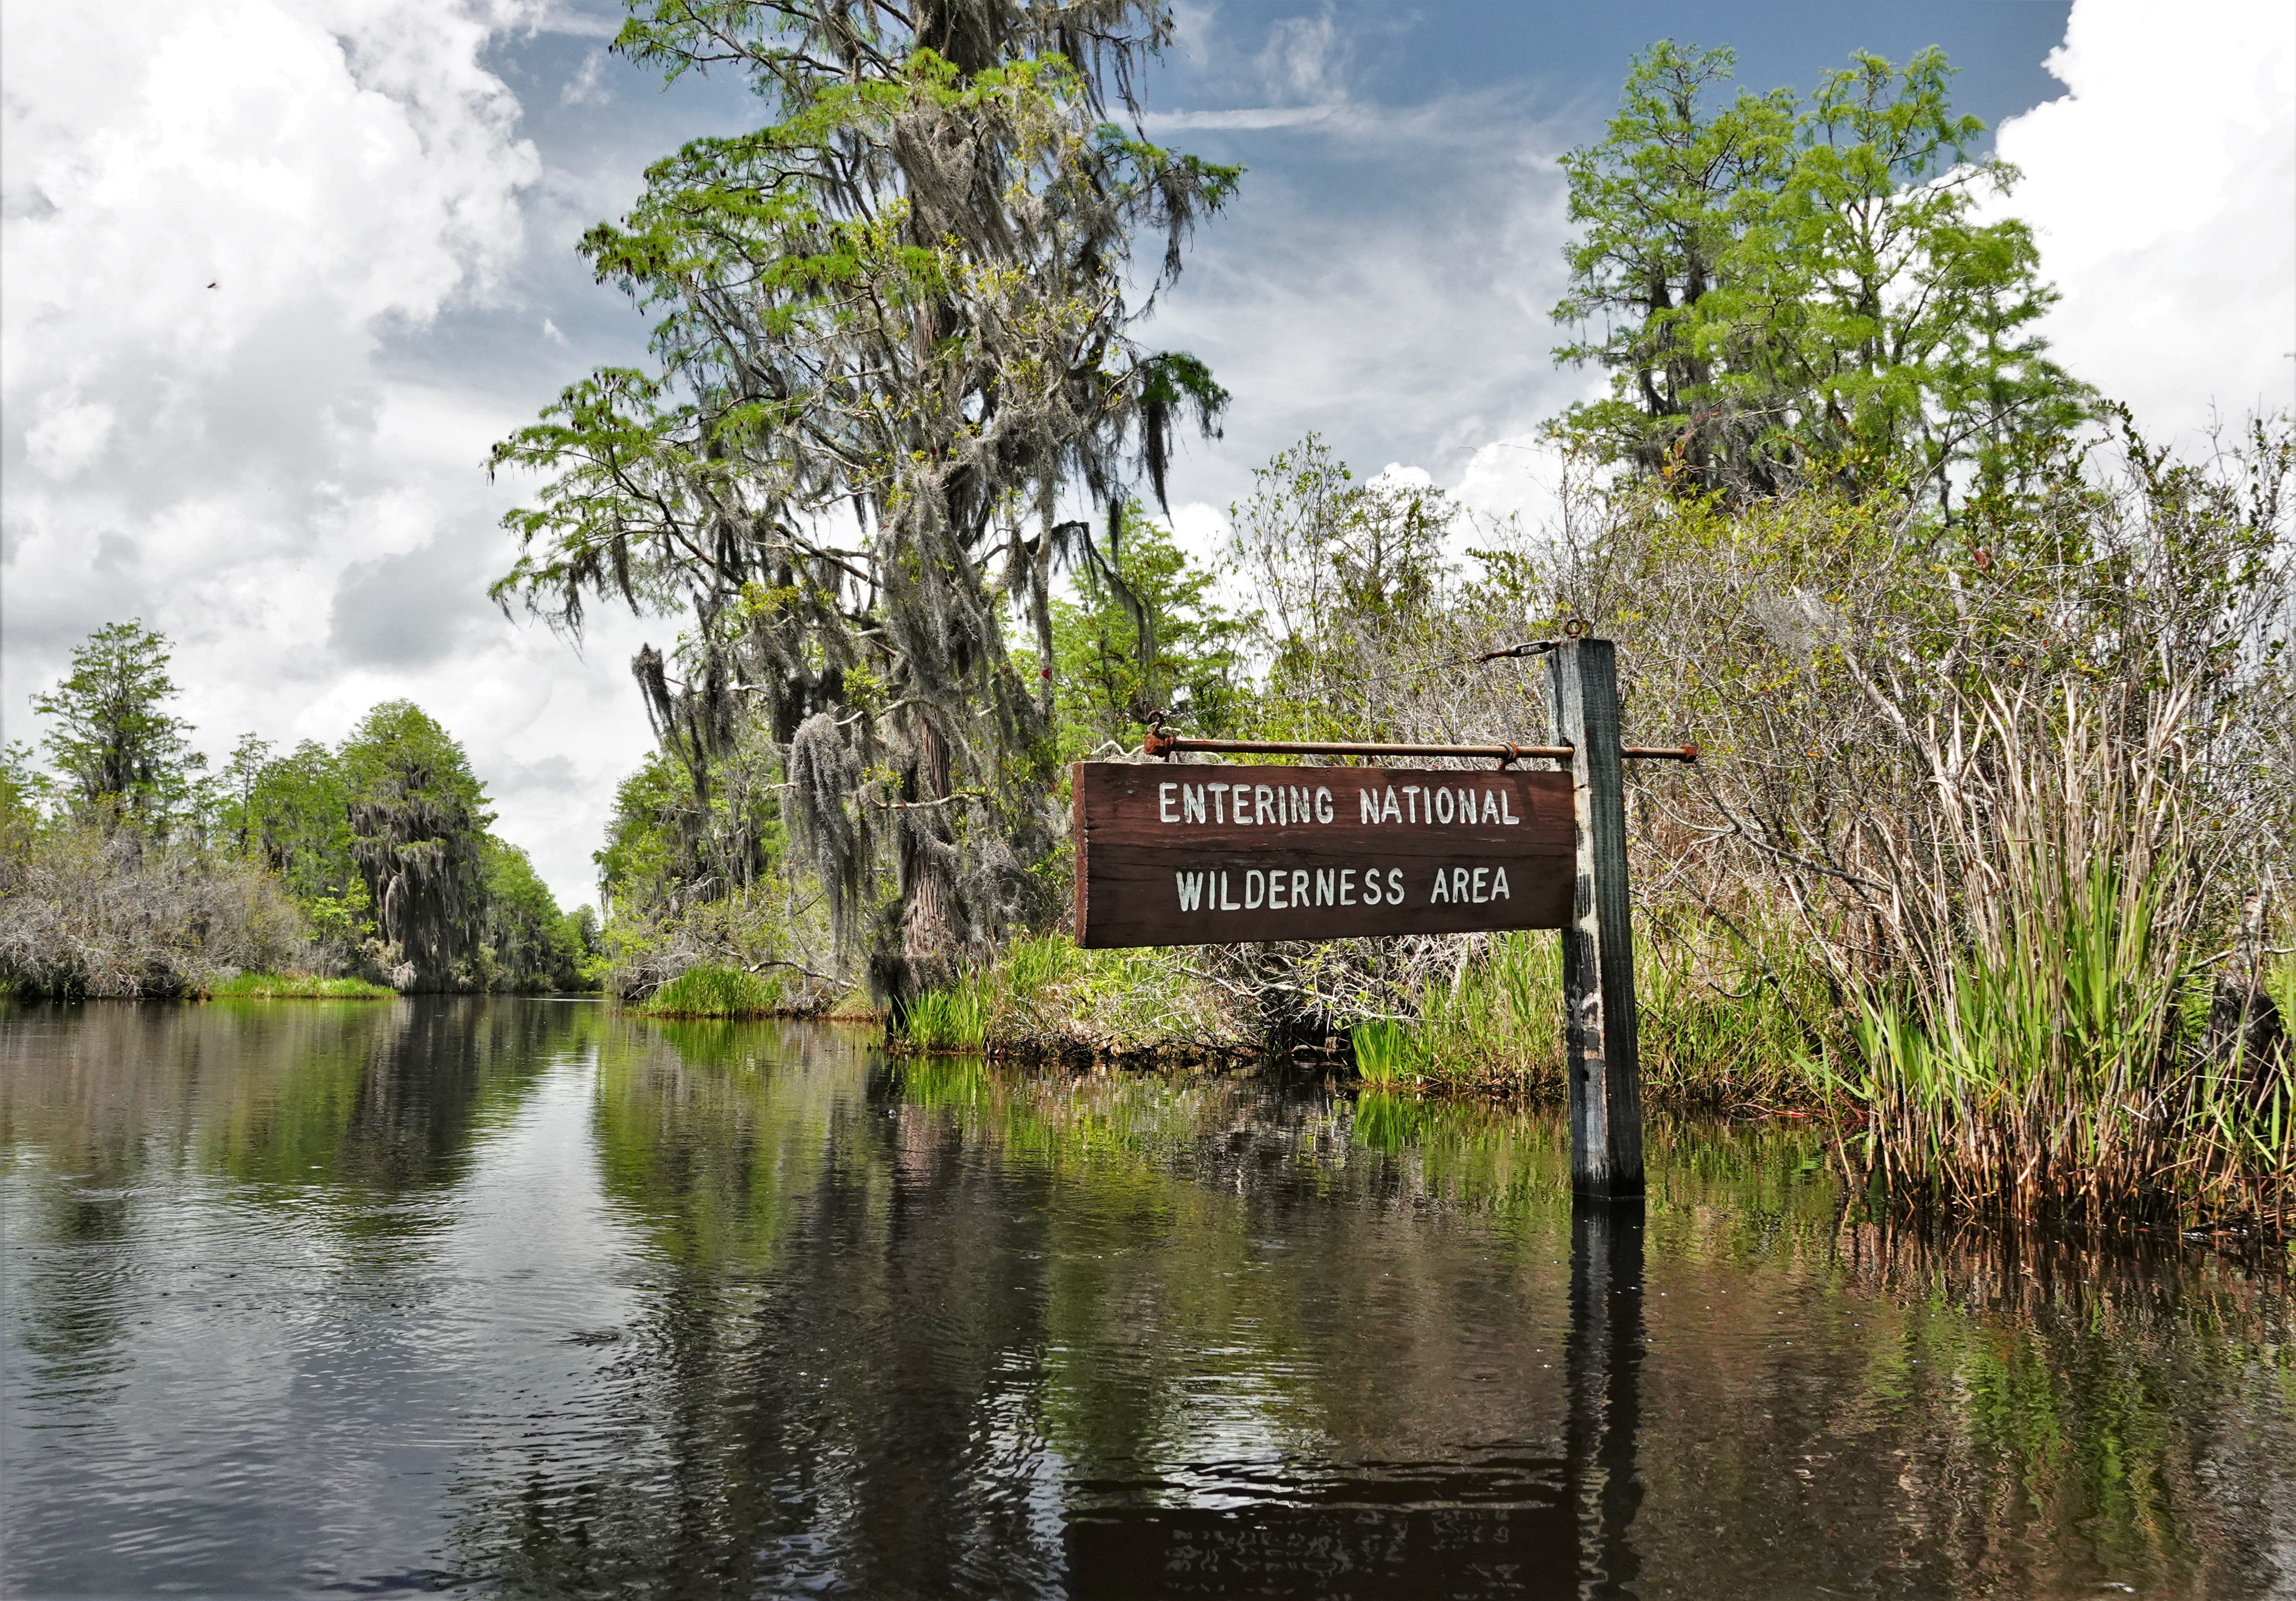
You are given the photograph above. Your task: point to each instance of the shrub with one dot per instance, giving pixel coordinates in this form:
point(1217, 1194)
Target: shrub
point(87, 913)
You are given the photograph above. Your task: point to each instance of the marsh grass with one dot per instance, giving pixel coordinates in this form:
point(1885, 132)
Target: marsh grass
point(2043, 1047)
point(1720, 1023)
point(715, 991)
point(295, 987)
point(954, 1019)
point(1046, 996)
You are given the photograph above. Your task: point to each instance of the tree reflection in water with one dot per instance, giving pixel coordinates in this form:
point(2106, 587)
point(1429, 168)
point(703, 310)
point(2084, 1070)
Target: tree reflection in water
point(550, 1301)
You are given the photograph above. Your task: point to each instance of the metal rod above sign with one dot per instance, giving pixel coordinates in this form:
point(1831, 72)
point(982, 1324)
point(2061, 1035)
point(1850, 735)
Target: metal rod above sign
point(1162, 745)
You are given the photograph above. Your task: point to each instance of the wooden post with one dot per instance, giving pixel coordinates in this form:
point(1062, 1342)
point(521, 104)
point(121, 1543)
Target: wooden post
point(1598, 942)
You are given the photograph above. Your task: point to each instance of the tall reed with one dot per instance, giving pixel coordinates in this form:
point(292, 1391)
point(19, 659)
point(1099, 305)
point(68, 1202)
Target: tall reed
point(2034, 1048)
point(707, 991)
point(1046, 996)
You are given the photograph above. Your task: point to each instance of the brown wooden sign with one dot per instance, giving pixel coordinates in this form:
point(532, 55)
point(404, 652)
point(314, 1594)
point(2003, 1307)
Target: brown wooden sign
point(1198, 856)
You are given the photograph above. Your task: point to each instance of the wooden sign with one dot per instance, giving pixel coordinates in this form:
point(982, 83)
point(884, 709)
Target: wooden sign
point(1196, 856)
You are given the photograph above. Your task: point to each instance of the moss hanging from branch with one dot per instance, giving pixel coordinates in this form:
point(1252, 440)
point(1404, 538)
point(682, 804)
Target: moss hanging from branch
point(895, 335)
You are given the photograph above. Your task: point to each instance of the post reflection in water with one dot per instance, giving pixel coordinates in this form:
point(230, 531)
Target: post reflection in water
point(1606, 1354)
point(525, 1299)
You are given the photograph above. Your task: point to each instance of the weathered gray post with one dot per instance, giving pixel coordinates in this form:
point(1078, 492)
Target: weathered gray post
point(1598, 943)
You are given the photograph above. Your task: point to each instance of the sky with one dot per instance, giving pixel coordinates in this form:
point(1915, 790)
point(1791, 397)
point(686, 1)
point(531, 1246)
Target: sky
point(274, 274)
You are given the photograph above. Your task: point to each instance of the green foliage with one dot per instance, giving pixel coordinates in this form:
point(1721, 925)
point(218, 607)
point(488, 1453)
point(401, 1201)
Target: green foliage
point(228, 813)
point(380, 846)
point(1787, 291)
point(530, 945)
point(1381, 1047)
point(296, 813)
point(23, 796)
point(1496, 1023)
point(295, 987)
point(952, 1019)
point(125, 757)
point(585, 937)
point(418, 832)
point(1046, 996)
point(1102, 684)
point(708, 992)
point(1340, 568)
point(640, 867)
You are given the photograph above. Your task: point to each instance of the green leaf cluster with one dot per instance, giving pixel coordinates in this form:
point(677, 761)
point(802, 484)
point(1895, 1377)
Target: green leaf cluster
point(124, 757)
point(1788, 292)
point(1101, 681)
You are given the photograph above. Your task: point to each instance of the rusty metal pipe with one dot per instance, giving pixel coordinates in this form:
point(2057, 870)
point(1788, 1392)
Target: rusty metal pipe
point(1163, 746)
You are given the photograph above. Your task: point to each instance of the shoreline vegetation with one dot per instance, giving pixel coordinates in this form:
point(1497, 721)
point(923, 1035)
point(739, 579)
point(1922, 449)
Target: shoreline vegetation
point(295, 987)
point(1989, 858)
point(129, 870)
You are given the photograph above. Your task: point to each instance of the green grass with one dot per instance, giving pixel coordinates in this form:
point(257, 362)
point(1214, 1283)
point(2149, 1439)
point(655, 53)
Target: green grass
point(1385, 1052)
point(707, 991)
point(2066, 1066)
point(1045, 994)
point(954, 1019)
point(296, 986)
point(1719, 1022)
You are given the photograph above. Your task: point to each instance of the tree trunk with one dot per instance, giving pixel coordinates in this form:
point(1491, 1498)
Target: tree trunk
point(930, 935)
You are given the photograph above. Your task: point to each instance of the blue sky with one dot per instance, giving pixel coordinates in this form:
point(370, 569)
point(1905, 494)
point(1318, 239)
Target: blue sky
point(1385, 273)
point(284, 470)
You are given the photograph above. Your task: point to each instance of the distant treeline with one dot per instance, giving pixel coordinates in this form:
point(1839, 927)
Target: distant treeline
point(132, 868)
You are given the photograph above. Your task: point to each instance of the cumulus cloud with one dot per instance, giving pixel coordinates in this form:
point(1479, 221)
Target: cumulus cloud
point(2162, 188)
point(1385, 282)
point(217, 217)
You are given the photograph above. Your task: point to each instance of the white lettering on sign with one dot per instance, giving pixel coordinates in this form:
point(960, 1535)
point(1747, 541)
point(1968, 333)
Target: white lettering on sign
point(1296, 889)
point(1434, 805)
point(1459, 885)
point(1256, 805)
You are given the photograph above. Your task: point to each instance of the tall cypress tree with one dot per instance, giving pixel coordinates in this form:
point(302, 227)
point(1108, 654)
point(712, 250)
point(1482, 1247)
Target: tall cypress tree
point(1788, 291)
point(418, 832)
point(896, 342)
point(124, 753)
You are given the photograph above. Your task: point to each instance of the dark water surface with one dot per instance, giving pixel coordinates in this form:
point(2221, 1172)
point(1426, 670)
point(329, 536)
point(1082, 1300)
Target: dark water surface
point(526, 1297)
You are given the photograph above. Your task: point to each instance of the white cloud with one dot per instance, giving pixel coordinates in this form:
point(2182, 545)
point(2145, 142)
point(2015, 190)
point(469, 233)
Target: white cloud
point(72, 434)
point(214, 218)
point(1518, 478)
point(1250, 118)
point(1408, 321)
point(588, 86)
point(2163, 189)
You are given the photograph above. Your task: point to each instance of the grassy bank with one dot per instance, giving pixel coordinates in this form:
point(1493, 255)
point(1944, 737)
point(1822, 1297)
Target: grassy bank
point(1048, 999)
point(2087, 1070)
point(712, 992)
point(1720, 1025)
point(294, 986)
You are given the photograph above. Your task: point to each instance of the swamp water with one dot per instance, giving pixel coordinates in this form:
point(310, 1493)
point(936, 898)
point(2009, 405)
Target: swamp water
point(532, 1298)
